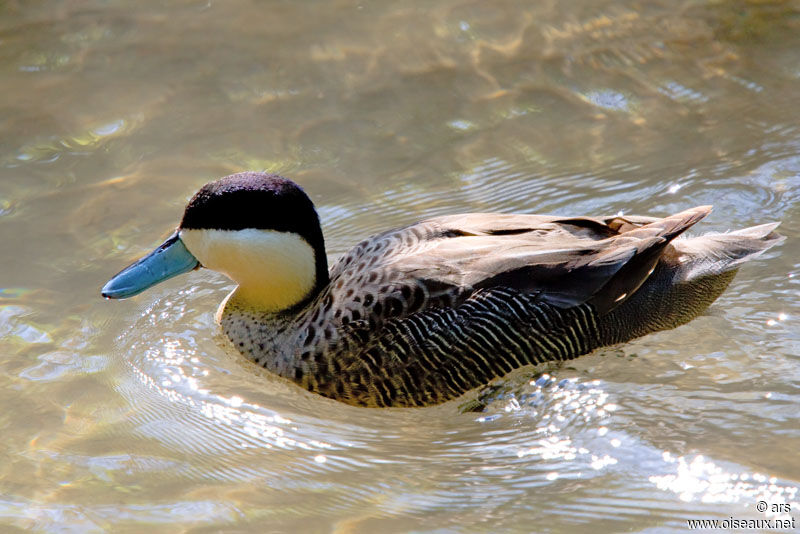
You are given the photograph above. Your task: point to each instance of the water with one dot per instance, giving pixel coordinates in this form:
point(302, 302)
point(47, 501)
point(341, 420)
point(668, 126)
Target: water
point(126, 416)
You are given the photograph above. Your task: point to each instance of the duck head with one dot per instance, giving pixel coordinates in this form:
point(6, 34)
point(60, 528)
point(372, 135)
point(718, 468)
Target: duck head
point(259, 229)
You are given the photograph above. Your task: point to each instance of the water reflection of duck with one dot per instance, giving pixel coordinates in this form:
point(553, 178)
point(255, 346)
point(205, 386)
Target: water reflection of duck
point(421, 314)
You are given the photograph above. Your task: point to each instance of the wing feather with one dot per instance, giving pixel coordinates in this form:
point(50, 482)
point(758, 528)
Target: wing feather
point(568, 261)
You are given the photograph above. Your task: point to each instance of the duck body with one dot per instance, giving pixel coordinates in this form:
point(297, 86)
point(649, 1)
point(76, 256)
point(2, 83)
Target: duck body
point(420, 315)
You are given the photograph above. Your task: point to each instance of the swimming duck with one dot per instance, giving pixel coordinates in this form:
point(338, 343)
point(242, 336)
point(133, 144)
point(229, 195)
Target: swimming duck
point(422, 314)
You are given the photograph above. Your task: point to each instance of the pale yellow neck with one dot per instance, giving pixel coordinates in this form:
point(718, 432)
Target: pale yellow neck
point(274, 270)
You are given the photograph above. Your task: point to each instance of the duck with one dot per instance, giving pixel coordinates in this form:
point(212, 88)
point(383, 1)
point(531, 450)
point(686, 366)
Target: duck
point(420, 315)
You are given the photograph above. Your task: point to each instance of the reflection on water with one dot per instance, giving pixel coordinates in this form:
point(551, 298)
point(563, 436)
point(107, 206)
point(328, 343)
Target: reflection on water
point(124, 416)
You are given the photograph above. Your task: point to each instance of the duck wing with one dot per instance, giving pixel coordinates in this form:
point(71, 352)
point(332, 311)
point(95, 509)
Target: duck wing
point(566, 261)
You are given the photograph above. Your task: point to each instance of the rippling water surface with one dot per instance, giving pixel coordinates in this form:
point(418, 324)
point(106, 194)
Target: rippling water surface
point(126, 416)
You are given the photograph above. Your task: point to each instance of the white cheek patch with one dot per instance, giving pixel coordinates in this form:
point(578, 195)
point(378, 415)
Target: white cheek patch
point(274, 270)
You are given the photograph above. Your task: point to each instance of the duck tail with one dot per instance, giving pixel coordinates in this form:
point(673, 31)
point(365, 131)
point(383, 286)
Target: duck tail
point(717, 253)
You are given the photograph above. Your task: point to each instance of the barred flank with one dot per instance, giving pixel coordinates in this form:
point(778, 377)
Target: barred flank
point(439, 354)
